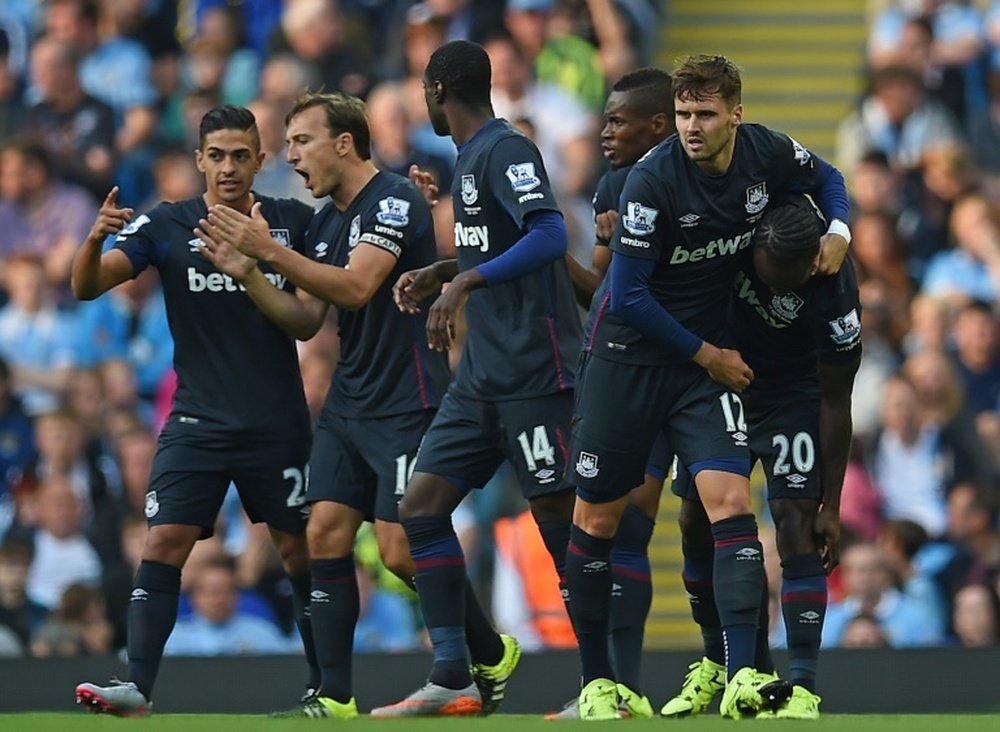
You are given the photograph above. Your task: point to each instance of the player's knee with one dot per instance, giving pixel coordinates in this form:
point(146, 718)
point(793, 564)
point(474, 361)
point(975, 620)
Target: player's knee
point(599, 521)
point(170, 544)
point(328, 536)
point(293, 551)
point(554, 507)
point(428, 496)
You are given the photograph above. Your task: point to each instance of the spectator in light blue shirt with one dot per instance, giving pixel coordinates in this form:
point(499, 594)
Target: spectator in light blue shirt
point(216, 628)
point(905, 620)
point(971, 270)
point(129, 324)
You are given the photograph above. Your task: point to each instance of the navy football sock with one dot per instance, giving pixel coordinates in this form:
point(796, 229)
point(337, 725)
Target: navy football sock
point(440, 578)
point(738, 575)
point(763, 661)
point(152, 612)
point(699, 561)
point(484, 642)
point(588, 575)
point(803, 604)
point(334, 608)
point(555, 536)
point(301, 587)
point(632, 594)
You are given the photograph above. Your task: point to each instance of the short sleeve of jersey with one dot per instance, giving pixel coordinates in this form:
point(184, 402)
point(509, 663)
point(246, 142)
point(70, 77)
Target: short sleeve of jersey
point(398, 216)
point(518, 179)
point(794, 166)
point(603, 202)
point(641, 220)
point(837, 319)
point(138, 242)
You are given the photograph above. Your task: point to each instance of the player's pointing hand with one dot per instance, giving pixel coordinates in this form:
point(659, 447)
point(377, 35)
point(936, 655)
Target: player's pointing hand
point(110, 219)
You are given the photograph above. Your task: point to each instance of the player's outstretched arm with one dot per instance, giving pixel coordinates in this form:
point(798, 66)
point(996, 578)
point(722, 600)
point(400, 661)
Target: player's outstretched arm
point(300, 315)
point(95, 273)
point(836, 385)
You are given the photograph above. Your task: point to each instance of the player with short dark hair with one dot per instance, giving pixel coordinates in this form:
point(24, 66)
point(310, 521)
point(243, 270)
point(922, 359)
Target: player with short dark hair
point(512, 396)
point(388, 383)
point(801, 335)
point(639, 114)
point(688, 211)
point(253, 430)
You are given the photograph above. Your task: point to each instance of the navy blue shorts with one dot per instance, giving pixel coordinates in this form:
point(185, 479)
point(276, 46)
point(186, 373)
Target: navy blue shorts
point(622, 410)
point(470, 438)
point(366, 463)
point(192, 472)
point(784, 436)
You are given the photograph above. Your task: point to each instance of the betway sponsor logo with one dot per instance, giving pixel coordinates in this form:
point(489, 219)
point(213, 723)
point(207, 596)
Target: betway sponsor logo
point(715, 248)
point(477, 237)
point(218, 282)
point(745, 291)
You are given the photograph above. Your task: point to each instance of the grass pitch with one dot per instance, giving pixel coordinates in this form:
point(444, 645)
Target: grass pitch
point(85, 722)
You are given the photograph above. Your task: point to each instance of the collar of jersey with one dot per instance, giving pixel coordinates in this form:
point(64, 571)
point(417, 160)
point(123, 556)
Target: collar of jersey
point(477, 133)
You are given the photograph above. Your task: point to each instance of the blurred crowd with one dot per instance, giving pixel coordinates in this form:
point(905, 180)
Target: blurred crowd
point(921, 153)
point(95, 93)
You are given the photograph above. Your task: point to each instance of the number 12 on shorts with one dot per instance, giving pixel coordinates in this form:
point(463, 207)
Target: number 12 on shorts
point(732, 412)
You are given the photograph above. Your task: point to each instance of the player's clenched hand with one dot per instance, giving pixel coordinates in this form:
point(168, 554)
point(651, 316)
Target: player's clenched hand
point(226, 258)
point(250, 234)
point(425, 182)
point(441, 316)
point(832, 252)
point(604, 224)
point(828, 536)
point(414, 286)
point(110, 219)
point(725, 366)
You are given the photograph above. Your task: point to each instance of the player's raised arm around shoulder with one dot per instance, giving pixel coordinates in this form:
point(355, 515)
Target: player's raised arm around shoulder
point(809, 173)
point(95, 272)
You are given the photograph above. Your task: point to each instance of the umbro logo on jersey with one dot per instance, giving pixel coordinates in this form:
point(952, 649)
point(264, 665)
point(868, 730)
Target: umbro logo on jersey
point(689, 220)
point(545, 476)
point(748, 552)
point(796, 480)
point(195, 245)
point(322, 248)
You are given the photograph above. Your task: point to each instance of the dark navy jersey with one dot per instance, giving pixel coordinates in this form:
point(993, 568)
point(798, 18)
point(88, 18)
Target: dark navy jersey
point(385, 367)
point(606, 198)
point(698, 230)
point(523, 335)
point(783, 337)
point(236, 369)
